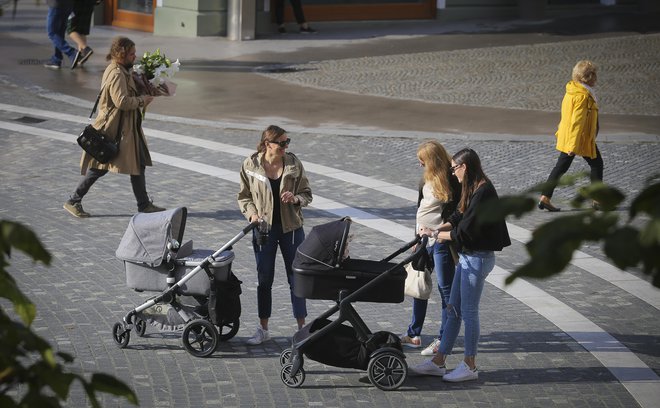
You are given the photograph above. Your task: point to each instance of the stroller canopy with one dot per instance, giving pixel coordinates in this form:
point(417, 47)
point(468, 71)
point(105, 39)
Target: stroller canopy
point(323, 247)
point(146, 238)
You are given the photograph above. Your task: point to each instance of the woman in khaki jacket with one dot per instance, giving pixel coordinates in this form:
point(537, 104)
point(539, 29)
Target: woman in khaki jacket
point(578, 128)
point(119, 116)
point(274, 187)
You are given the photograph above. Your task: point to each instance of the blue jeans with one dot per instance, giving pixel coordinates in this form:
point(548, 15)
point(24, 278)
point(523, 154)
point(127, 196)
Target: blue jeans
point(444, 272)
point(56, 27)
point(265, 256)
point(471, 273)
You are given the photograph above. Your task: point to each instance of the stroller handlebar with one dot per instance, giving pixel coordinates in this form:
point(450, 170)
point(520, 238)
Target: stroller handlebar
point(406, 247)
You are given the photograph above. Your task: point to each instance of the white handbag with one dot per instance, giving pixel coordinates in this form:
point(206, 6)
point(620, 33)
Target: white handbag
point(418, 283)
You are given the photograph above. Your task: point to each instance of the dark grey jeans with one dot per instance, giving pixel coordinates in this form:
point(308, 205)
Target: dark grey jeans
point(138, 182)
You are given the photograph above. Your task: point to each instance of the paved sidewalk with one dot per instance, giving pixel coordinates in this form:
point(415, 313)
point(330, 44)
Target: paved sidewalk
point(474, 79)
point(587, 338)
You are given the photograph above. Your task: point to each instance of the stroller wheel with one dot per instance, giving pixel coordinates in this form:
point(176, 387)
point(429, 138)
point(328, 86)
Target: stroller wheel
point(387, 370)
point(120, 335)
point(228, 329)
point(200, 338)
point(140, 327)
point(295, 381)
point(285, 356)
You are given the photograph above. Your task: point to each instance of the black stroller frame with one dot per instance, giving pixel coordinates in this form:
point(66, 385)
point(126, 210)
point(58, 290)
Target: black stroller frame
point(200, 335)
point(383, 359)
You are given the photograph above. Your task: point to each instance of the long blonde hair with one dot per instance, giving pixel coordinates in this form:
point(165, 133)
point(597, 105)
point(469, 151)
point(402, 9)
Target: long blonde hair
point(437, 164)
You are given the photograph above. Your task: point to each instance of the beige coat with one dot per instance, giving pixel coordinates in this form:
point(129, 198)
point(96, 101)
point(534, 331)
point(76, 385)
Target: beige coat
point(119, 95)
point(256, 196)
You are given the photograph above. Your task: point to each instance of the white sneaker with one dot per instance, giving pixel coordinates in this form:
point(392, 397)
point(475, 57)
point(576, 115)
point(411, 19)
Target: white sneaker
point(461, 373)
point(412, 342)
point(259, 337)
point(432, 348)
point(428, 367)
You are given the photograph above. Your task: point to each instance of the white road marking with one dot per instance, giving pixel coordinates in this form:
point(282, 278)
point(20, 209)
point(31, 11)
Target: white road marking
point(641, 382)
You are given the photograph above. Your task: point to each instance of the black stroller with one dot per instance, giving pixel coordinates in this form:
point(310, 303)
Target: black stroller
point(323, 271)
point(155, 260)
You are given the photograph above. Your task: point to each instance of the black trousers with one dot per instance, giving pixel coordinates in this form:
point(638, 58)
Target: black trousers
point(564, 162)
point(138, 182)
point(296, 5)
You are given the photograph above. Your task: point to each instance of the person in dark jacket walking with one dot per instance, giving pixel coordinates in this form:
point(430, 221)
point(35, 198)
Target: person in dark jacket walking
point(476, 243)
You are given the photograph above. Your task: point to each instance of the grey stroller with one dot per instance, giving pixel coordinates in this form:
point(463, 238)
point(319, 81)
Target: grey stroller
point(156, 260)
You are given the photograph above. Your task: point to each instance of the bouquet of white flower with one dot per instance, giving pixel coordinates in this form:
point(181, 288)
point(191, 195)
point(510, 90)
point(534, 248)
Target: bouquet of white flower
point(152, 73)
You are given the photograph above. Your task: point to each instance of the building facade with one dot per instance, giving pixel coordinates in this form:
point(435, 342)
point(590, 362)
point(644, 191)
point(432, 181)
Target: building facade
point(194, 18)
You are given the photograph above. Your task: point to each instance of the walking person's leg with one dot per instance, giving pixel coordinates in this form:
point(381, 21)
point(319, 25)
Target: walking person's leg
point(296, 5)
point(139, 184)
point(561, 167)
point(279, 16)
point(56, 26)
point(596, 166)
point(596, 174)
point(288, 246)
point(74, 203)
point(78, 28)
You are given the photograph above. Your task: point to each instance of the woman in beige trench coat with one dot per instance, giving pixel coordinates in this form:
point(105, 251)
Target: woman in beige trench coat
point(119, 114)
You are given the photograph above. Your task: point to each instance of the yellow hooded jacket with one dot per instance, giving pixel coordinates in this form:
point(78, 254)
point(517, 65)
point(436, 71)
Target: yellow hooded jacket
point(579, 122)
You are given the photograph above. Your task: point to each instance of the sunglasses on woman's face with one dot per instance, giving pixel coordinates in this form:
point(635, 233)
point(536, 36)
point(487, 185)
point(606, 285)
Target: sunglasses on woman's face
point(283, 143)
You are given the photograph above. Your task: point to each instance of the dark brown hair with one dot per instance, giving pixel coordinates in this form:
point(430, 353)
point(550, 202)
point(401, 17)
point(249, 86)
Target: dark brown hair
point(119, 48)
point(474, 175)
point(271, 133)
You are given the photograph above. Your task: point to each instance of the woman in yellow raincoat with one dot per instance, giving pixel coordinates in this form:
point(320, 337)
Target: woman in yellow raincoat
point(578, 128)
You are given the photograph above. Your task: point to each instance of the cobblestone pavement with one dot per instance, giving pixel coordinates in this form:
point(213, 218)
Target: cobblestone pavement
point(503, 77)
point(525, 359)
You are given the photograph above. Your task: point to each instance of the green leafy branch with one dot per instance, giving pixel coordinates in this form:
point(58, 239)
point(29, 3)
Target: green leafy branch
point(26, 358)
point(553, 243)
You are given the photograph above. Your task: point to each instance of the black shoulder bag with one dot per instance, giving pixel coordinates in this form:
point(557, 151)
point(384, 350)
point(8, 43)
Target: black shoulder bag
point(95, 143)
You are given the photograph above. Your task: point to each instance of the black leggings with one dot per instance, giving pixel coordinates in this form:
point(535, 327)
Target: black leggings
point(564, 162)
point(138, 182)
point(296, 5)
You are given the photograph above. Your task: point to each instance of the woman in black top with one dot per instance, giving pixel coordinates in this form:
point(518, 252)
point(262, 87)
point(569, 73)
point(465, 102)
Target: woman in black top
point(475, 243)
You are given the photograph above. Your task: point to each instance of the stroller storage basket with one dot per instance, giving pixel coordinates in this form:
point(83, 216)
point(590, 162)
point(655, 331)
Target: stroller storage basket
point(142, 277)
point(351, 276)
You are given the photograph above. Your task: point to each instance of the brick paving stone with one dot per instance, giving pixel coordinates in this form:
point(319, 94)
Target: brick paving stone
point(525, 361)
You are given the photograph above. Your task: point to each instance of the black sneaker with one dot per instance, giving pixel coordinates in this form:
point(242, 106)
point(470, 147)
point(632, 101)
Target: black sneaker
point(308, 30)
point(281, 30)
point(76, 59)
point(53, 65)
point(86, 53)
